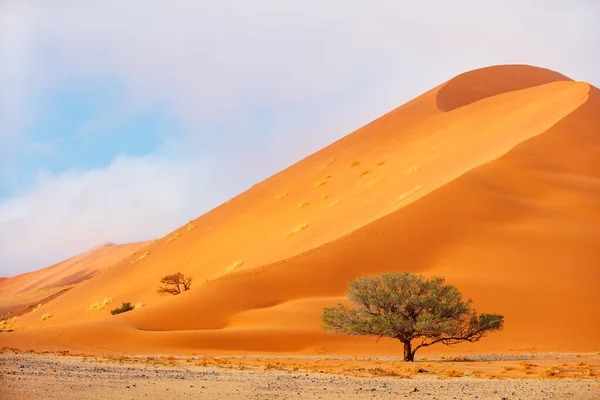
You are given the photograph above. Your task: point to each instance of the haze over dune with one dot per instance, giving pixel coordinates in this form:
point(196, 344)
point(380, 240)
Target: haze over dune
point(491, 180)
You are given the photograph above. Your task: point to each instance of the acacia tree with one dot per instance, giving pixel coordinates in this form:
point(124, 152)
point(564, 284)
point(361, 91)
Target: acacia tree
point(174, 284)
point(409, 308)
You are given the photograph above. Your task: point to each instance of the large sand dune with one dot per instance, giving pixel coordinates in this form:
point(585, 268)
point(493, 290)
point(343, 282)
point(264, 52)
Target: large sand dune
point(491, 180)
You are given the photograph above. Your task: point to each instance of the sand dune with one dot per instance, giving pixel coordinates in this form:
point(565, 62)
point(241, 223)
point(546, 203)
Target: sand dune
point(22, 292)
point(491, 180)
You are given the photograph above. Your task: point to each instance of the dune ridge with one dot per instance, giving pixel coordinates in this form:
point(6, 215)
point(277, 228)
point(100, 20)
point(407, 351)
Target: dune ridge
point(474, 180)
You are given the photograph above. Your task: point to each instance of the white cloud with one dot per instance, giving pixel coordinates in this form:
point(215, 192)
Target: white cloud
point(131, 199)
point(317, 68)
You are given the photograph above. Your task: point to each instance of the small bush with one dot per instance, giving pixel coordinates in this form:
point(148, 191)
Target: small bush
point(46, 316)
point(126, 306)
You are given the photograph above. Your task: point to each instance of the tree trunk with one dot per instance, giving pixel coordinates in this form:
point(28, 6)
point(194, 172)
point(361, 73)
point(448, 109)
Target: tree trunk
point(409, 355)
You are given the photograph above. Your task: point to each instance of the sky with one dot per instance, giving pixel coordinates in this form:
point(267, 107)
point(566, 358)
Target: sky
point(120, 121)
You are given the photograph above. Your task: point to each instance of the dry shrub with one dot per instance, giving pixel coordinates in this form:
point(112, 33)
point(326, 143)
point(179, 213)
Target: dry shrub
point(550, 372)
point(191, 227)
point(413, 169)
point(297, 229)
point(236, 264)
point(8, 325)
point(325, 165)
point(335, 203)
point(453, 373)
point(140, 258)
point(378, 371)
point(363, 173)
point(281, 196)
point(324, 196)
point(404, 195)
point(373, 182)
point(380, 163)
point(138, 305)
point(355, 163)
point(506, 368)
point(527, 365)
point(99, 305)
point(46, 316)
point(302, 204)
point(415, 370)
point(175, 236)
point(323, 181)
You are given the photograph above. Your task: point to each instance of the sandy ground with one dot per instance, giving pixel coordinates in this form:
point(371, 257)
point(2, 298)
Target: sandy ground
point(48, 376)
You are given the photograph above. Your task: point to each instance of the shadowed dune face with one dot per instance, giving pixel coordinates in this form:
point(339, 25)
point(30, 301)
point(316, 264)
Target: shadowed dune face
point(500, 194)
point(477, 85)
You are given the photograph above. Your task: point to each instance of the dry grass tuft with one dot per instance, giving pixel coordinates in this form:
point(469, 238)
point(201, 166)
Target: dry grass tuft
point(355, 163)
point(550, 372)
point(46, 316)
point(138, 305)
point(404, 195)
point(363, 173)
point(175, 236)
point(373, 182)
point(380, 163)
point(413, 169)
point(297, 229)
point(324, 196)
point(378, 371)
point(191, 227)
point(8, 325)
point(325, 165)
point(99, 305)
point(140, 258)
point(335, 203)
point(282, 195)
point(236, 264)
point(453, 373)
point(302, 204)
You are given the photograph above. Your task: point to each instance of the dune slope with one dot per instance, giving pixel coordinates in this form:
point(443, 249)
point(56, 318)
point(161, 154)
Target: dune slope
point(21, 292)
point(491, 180)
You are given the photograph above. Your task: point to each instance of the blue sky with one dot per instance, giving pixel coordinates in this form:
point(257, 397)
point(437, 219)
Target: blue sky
point(121, 121)
point(81, 125)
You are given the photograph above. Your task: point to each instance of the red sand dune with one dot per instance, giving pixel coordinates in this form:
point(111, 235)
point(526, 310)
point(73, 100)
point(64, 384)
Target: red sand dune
point(491, 180)
point(21, 292)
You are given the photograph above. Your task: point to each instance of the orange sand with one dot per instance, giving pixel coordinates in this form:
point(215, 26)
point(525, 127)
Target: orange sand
point(491, 180)
point(25, 291)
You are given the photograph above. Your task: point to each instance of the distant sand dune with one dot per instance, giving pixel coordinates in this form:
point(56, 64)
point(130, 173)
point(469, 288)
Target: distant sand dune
point(507, 165)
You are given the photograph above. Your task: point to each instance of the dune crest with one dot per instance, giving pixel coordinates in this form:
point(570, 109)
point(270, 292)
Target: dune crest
point(491, 180)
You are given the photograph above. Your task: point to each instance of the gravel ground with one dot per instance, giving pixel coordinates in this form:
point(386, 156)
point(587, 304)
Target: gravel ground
point(29, 376)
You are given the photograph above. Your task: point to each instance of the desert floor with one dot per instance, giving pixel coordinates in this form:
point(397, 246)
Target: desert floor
point(534, 376)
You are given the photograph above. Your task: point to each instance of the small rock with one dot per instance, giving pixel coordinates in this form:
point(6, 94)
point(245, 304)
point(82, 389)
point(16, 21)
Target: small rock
point(413, 390)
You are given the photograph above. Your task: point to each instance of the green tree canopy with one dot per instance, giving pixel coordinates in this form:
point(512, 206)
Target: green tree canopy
point(409, 308)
